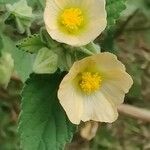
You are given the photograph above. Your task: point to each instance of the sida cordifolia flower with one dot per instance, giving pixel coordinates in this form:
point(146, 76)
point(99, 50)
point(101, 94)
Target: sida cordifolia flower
point(93, 88)
point(75, 22)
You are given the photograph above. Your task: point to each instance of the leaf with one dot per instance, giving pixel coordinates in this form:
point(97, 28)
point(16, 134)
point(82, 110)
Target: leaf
point(43, 122)
point(20, 9)
point(114, 8)
point(23, 14)
point(23, 61)
point(31, 44)
point(46, 61)
point(107, 43)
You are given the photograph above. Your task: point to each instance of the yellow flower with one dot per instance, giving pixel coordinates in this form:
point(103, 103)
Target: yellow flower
point(93, 88)
point(75, 22)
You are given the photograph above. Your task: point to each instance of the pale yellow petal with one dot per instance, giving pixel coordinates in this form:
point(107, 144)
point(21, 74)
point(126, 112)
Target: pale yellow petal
point(103, 62)
point(96, 23)
point(71, 101)
point(62, 3)
point(116, 85)
point(94, 29)
point(50, 14)
point(61, 37)
point(120, 79)
point(98, 108)
point(107, 61)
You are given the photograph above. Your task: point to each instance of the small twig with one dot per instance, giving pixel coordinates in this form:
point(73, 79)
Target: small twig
point(135, 112)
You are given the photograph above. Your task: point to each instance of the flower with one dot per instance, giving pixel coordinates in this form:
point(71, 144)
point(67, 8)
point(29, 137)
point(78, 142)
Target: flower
point(75, 22)
point(93, 88)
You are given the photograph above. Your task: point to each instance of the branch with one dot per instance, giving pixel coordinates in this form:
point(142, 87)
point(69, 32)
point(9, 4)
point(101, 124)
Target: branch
point(134, 112)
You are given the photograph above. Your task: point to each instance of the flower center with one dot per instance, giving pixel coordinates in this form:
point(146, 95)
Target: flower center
point(72, 19)
point(90, 82)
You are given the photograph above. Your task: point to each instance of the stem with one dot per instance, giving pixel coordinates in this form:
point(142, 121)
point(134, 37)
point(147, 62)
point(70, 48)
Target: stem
point(135, 112)
point(28, 31)
point(86, 51)
point(69, 61)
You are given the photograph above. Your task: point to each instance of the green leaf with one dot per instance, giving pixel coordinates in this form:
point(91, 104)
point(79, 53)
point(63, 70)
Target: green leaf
point(20, 9)
point(114, 8)
point(23, 61)
point(23, 14)
point(43, 122)
point(46, 61)
point(31, 44)
point(107, 44)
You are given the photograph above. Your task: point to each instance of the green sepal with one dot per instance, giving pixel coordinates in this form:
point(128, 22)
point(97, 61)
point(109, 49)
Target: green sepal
point(45, 38)
point(92, 48)
point(46, 62)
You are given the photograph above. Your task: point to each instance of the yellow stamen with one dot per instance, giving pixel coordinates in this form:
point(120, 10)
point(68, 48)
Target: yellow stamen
point(90, 82)
point(72, 19)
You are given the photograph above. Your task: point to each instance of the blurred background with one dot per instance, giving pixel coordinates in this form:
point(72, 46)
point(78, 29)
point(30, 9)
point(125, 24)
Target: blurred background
point(131, 42)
